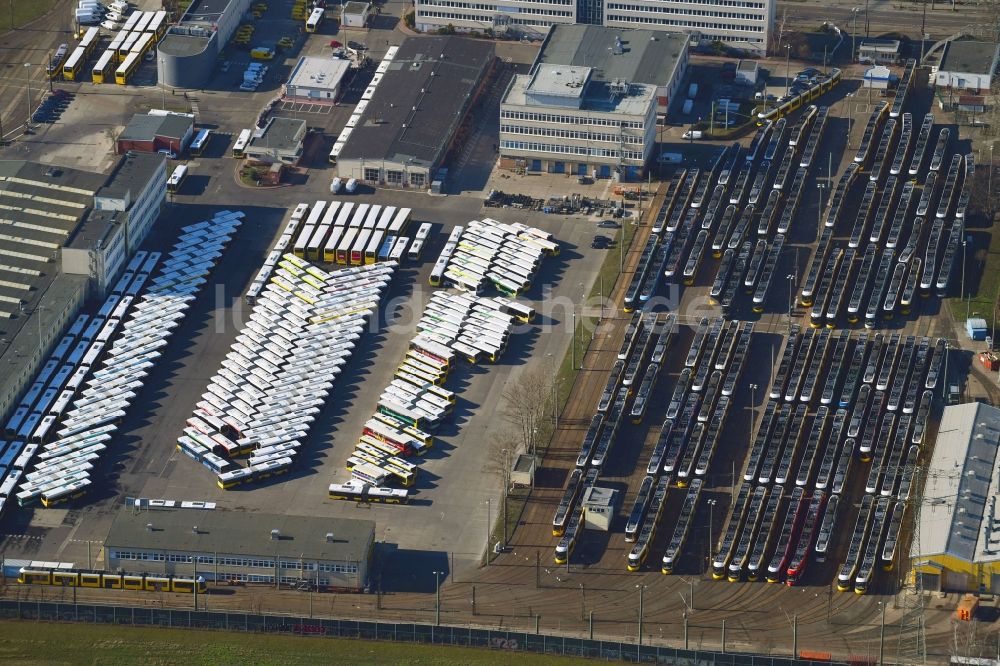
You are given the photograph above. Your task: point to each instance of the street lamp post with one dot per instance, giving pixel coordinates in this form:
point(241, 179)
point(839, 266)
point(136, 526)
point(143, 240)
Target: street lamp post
point(989, 181)
point(854, 32)
point(489, 507)
point(819, 210)
point(967, 303)
point(641, 589)
point(792, 278)
point(711, 515)
point(437, 598)
point(506, 485)
point(27, 90)
point(788, 53)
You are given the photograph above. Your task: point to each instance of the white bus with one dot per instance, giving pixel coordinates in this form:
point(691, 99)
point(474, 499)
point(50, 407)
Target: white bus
point(241, 144)
point(177, 178)
point(400, 222)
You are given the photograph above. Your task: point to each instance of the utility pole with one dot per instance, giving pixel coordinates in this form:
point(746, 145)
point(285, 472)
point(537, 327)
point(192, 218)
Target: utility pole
point(788, 53)
point(795, 636)
point(437, 596)
point(641, 588)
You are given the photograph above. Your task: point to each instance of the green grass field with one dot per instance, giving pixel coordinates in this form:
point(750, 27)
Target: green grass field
point(24, 11)
point(984, 293)
point(35, 643)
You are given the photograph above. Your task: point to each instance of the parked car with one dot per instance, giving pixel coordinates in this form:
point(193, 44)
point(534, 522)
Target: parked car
point(169, 153)
point(608, 224)
point(692, 134)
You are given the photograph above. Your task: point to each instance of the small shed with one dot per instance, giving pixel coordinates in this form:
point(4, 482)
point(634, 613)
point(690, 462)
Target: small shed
point(877, 77)
point(975, 328)
point(355, 14)
point(747, 72)
point(523, 472)
point(599, 508)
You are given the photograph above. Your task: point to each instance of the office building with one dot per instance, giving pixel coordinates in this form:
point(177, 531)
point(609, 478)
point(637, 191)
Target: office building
point(742, 24)
point(589, 105)
point(329, 554)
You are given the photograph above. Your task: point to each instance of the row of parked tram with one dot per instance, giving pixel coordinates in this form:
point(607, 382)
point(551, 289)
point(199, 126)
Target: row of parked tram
point(867, 431)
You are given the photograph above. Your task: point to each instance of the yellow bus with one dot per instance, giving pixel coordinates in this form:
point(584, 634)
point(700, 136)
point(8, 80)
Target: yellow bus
point(71, 68)
point(125, 70)
point(104, 69)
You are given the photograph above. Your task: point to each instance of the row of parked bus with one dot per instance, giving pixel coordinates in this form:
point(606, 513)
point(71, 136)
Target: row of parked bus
point(276, 377)
point(93, 416)
point(488, 251)
point(346, 233)
point(56, 386)
point(874, 408)
point(415, 403)
point(339, 232)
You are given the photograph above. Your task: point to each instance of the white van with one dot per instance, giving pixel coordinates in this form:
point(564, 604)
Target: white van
point(352, 184)
point(336, 185)
point(119, 6)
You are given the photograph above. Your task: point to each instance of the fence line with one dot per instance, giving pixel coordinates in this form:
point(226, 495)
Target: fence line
point(506, 641)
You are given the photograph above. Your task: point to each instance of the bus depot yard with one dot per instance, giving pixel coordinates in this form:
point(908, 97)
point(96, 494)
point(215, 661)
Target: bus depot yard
point(754, 402)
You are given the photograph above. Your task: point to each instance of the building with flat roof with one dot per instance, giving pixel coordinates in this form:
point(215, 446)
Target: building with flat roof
point(125, 209)
point(878, 51)
point(957, 545)
point(968, 66)
point(280, 141)
point(188, 53)
point(233, 546)
point(589, 105)
point(746, 25)
point(316, 80)
point(152, 132)
point(45, 205)
point(355, 14)
point(409, 126)
point(636, 56)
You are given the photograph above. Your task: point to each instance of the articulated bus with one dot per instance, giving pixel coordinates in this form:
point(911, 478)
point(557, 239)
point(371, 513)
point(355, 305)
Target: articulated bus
point(127, 68)
point(241, 143)
point(315, 19)
point(56, 61)
point(200, 141)
point(105, 67)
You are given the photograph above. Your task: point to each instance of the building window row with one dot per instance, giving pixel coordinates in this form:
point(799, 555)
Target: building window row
point(570, 150)
point(493, 9)
point(737, 16)
point(571, 134)
point(701, 25)
point(659, 5)
point(569, 120)
point(479, 19)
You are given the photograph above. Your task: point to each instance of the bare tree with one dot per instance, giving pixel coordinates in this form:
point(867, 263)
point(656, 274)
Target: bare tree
point(529, 398)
